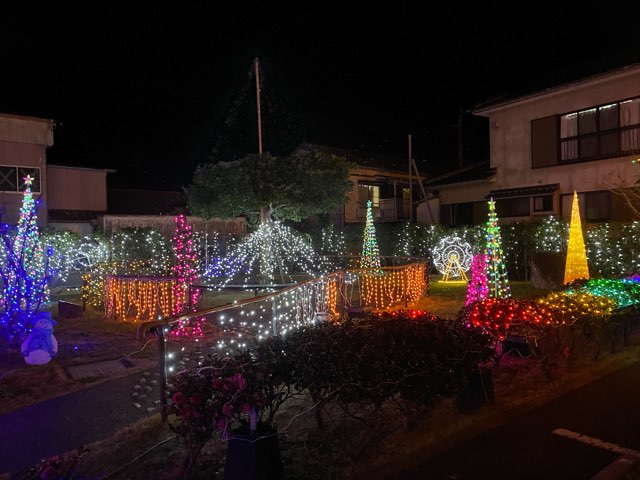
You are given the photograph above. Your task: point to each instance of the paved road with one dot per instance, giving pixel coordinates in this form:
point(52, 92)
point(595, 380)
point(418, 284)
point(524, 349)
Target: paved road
point(526, 447)
point(64, 423)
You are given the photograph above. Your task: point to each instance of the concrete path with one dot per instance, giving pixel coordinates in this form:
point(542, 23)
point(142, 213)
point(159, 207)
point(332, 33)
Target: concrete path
point(64, 423)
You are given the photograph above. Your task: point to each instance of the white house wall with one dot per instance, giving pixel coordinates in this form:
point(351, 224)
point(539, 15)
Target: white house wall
point(510, 137)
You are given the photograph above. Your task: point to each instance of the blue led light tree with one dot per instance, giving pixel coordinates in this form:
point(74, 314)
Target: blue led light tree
point(25, 274)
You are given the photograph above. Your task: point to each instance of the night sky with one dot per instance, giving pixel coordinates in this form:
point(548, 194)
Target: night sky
point(146, 90)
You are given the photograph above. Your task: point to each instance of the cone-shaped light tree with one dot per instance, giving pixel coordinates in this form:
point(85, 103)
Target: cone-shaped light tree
point(496, 271)
point(370, 254)
point(186, 297)
point(25, 273)
point(477, 287)
point(576, 266)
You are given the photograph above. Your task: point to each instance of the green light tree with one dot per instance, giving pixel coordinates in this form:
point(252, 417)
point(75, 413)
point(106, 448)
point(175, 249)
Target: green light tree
point(370, 254)
point(497, 280)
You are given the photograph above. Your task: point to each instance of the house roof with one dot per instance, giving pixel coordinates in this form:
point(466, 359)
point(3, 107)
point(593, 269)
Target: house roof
point(468, 173)
point(524, 191)
point(486, 107)
point(383, 161)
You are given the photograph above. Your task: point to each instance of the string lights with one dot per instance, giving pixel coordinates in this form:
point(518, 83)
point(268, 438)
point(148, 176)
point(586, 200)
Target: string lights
point(496, 271)
point(477, 288)
point(370, 254)
point(452, 257)
point(576, 265)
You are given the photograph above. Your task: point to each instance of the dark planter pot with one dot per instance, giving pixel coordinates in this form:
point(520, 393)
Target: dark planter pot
point(477, 392)
point(253, 456)
point(516, 345)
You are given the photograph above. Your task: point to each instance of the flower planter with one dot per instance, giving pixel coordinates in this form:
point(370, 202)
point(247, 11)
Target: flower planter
point(253, 456)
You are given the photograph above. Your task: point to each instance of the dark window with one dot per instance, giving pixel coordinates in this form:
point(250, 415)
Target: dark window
point(457, 214)
point(544, 142)
point(8, 179)
point(543, 203)
point(513, 207)
point(597, 205)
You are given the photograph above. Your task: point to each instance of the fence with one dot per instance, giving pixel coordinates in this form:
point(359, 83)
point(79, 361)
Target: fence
point(236, 325)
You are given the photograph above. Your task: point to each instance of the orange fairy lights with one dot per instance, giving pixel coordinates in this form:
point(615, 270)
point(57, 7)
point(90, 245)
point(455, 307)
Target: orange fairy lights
point(393, 285)
point(138, 297)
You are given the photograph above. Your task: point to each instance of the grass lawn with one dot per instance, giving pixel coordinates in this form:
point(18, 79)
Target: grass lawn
point(149, 449)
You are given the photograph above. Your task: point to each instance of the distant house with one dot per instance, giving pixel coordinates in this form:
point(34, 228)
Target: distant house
point(457, 197)
point(383, 179)
point(578, 136)
point(76, 198)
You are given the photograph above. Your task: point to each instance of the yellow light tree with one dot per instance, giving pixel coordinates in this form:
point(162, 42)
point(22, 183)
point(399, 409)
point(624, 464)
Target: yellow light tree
point(576, 266)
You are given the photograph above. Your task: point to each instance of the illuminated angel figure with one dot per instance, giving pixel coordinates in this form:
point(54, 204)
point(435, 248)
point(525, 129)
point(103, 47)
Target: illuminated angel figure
point(452, 257)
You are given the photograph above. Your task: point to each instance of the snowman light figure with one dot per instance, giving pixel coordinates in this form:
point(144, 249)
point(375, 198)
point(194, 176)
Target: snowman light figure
point(40, 346)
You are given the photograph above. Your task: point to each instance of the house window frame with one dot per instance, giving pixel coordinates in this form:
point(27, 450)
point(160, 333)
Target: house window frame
point(542, 210)
point(599, 134)
point(20, 185)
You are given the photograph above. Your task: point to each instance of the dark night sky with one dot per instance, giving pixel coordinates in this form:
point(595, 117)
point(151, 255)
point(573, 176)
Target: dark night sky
point(144, 89)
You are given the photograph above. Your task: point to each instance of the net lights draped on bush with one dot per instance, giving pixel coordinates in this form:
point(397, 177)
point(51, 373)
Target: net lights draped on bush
point(567, 308)
point(623, 292)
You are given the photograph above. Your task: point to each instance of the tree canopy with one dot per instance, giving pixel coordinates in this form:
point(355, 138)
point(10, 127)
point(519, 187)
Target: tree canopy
point(287, 188)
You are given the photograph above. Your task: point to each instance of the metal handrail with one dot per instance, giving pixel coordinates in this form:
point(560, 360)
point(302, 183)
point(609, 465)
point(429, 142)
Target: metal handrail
point(158, 325)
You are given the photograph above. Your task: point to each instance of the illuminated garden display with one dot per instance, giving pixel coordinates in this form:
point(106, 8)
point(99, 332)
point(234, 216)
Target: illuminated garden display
point(576, 266)
point(496, 271)
point(268, 254)
point(477, 288)
point(25, 272)
point(452, 257)
point(140, 298)
point(370, 257)
point(184, 271)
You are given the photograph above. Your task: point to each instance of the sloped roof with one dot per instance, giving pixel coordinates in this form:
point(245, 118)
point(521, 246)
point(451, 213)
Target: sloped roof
point(486, 106)
point(468, 173)
point(364, 159)
point(524, 191)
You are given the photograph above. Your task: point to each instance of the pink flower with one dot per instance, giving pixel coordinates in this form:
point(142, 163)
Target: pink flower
point(177, 398)
point(246, 408)
point(185, 412)
point(49, 473)
point(221, 424)
point(240, 381)
point(228, 409)
point(196, 398)
point(217, 383)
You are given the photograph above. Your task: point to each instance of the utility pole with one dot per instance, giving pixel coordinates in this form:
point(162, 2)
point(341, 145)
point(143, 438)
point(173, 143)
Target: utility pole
point(256, 63)
point(410, 185)
point(460, 139)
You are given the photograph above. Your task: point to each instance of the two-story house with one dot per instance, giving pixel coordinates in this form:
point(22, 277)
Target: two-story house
point(581, 136)
point(384, 179)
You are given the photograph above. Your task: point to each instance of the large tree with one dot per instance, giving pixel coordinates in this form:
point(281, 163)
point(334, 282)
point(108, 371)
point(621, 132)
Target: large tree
point(294, 187)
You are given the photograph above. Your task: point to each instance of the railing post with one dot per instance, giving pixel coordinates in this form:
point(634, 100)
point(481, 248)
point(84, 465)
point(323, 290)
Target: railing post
point(274, 314)
point(163, 373)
